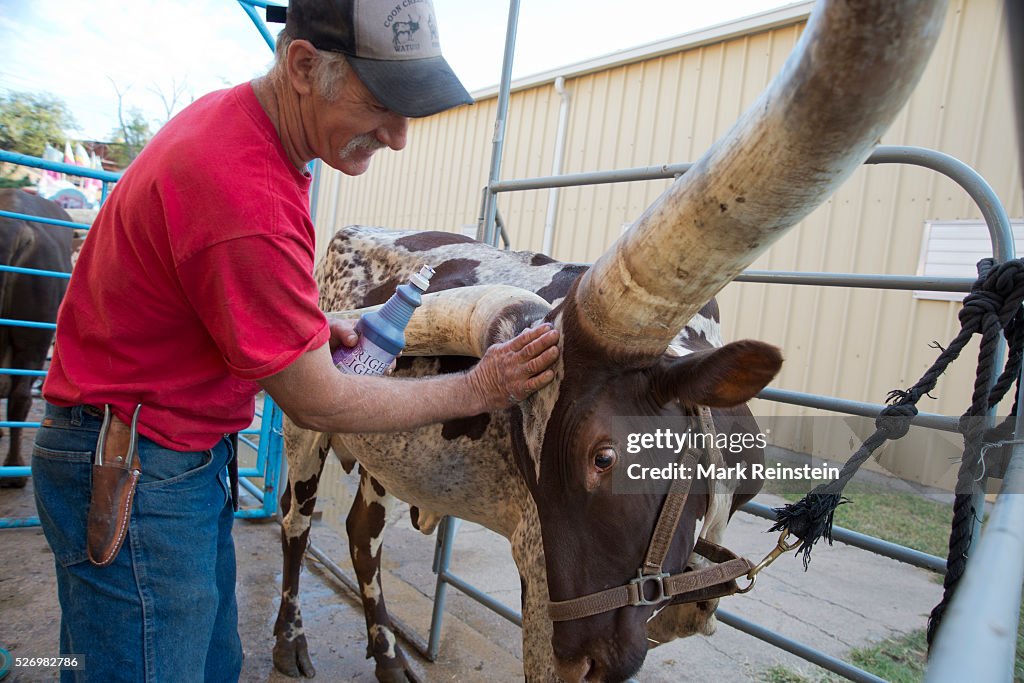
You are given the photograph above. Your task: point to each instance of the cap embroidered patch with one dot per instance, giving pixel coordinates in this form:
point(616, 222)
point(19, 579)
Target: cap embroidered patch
point(397, 31)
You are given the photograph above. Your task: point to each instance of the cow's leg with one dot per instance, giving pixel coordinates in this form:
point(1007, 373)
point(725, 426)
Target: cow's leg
point(306, 453)
point(365, 524)
point(19, 401)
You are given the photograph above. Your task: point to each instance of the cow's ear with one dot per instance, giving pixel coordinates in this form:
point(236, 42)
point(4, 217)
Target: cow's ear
point(721, 378)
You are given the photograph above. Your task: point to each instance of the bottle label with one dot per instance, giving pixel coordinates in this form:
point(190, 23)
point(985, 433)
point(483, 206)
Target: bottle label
point(365, 358)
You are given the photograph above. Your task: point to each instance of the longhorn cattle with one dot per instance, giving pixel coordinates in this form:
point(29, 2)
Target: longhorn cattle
point(637, 339)
point(28, 244)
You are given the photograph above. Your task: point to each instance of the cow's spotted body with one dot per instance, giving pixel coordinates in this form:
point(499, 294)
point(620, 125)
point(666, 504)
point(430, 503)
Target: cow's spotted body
point(473, 473)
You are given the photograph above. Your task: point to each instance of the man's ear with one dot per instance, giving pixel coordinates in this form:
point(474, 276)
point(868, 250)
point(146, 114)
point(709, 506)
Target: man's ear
point(300, 61)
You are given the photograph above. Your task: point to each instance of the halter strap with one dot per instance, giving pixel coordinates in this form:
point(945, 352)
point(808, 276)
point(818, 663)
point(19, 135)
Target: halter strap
point(703, 584)
point(668, 520)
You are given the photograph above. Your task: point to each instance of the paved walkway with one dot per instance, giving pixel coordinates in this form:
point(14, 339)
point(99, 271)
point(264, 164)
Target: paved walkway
point(848, 599)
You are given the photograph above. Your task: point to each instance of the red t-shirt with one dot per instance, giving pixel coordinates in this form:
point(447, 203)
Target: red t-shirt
point(195, 281)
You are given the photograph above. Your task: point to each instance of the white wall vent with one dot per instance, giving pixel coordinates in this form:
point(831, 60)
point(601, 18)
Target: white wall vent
point(953, 249)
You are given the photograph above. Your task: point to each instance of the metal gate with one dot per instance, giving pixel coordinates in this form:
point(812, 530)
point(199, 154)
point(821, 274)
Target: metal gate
point(999, 556)
point(1003, 249)
point(263, 444)
point(998, 552)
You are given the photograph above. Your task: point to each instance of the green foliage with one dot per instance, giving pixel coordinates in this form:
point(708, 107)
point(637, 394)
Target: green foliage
point(1018, 664)
point(24, 181)
point(900, 660)
point(129, 139)
point(28, 121)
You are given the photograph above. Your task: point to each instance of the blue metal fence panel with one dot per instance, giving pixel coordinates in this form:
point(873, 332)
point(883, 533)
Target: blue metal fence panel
point(44, 220)
point(269, 449)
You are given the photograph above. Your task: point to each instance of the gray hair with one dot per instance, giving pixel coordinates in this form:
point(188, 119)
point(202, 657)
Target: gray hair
point(330, 70)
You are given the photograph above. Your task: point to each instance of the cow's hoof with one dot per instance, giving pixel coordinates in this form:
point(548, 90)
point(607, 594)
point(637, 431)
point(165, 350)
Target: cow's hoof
point(291, 657)
point(13, 482)
point(395, 670)
point(396, 675)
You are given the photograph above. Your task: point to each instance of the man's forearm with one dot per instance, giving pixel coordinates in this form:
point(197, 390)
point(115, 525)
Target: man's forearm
point(386, 404)
point(315, 395)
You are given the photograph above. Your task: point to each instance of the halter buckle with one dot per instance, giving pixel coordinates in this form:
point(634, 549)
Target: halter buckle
point(641, 580)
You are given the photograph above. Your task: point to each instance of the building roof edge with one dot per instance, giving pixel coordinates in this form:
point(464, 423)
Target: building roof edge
point(755, 23)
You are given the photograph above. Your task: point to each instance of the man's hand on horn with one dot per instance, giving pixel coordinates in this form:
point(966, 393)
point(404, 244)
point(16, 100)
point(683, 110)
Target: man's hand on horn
point(509, 372)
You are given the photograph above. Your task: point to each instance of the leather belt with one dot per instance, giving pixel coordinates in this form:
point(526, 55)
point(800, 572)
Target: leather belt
point(116, 471)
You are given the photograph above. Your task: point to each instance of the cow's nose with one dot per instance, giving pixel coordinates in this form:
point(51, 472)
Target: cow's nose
point(574, 670)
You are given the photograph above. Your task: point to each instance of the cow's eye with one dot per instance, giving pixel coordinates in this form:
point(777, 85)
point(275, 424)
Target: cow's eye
point(604, 458)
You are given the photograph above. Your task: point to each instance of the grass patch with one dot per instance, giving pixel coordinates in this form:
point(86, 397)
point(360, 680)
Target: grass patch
point(782, 674)
point(897, 516)
point(899, 660)
point(900, 517)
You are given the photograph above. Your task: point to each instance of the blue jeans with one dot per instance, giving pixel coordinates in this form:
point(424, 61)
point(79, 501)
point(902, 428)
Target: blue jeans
point(164, 610)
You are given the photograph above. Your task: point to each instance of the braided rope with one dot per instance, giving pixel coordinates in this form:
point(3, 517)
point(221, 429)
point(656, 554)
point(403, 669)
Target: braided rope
point(993, 307)
point(994, 312)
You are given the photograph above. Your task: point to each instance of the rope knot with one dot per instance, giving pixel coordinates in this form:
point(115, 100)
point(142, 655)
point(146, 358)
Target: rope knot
point(895, 420)
point(999, 290)
point(977, 305)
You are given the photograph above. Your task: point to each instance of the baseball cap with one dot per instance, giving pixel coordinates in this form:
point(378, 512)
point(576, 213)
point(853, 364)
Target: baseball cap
point(392, 45)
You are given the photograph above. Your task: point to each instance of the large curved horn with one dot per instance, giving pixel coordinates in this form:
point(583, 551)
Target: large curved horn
point(850, 74)
point(467, 320)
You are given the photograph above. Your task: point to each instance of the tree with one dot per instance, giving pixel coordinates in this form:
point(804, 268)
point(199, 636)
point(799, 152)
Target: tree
point(129, 138)
point(131, 135)
point(28, 121)
point(172, 99)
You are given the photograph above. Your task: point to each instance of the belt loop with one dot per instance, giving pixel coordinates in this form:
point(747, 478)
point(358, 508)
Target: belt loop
point(233, 470)
point(76, 415)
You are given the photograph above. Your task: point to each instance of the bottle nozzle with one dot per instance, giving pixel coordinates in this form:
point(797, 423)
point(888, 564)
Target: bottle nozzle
point(422, 278)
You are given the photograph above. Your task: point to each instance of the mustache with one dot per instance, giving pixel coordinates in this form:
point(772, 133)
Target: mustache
point(364, 142)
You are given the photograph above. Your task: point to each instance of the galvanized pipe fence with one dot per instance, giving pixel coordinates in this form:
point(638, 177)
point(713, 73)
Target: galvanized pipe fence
point(1005, 516)
point(1008, 513)
point(1010, 573)
point(1001, 236)
point(268, 448)
point(982, 617)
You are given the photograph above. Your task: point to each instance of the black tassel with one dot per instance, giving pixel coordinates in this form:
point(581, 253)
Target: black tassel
point(809, 519)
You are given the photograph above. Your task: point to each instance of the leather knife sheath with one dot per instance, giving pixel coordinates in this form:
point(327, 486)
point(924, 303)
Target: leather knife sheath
point(115, 474)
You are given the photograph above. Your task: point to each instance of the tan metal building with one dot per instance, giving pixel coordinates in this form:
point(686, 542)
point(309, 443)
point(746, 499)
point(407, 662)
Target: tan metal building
point(666, 103)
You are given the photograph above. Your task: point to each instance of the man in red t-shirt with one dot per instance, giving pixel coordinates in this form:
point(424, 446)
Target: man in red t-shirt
point(193, 292)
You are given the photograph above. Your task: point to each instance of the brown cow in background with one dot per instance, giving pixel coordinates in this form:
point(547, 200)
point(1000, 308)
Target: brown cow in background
point(27, 244)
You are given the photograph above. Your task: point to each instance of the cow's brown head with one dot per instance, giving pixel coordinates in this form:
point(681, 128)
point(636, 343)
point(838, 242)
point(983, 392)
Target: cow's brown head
point(853, 69)
point(595, 537)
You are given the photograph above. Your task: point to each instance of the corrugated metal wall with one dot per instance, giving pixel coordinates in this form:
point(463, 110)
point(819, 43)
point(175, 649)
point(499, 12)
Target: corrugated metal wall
point(854, 344)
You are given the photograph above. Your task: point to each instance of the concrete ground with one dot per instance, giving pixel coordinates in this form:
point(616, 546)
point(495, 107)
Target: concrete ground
point(848, 599)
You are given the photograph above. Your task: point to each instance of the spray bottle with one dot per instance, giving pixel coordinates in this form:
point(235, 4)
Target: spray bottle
point(382, 332)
